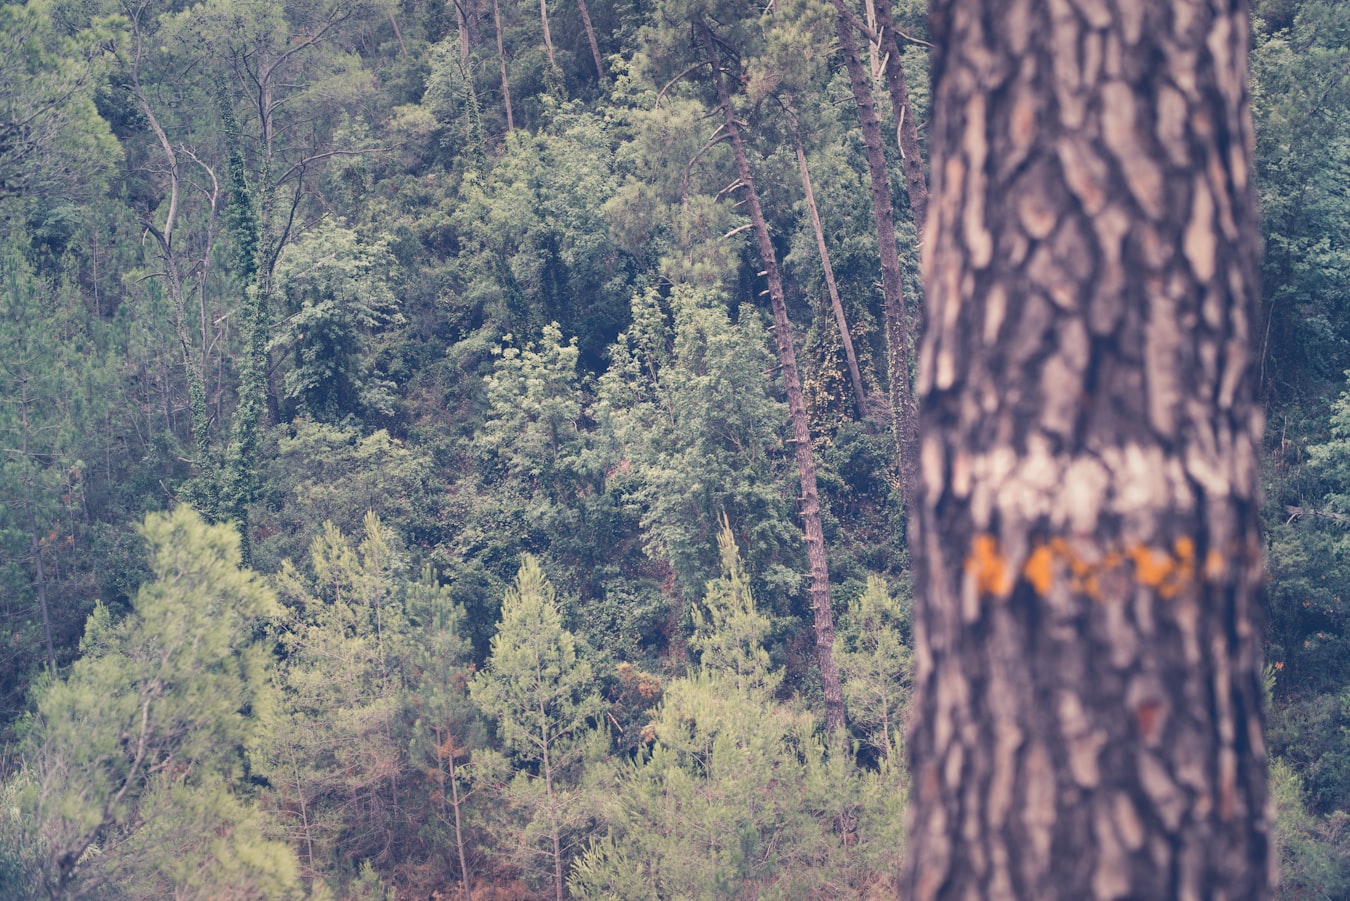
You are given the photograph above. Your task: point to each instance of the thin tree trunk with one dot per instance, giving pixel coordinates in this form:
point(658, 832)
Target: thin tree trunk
point(874, 46)
point(402, 47)
point(172, 276)
point(907, 129)
point(501, 61)
point(548, 36)
point(892, 285)
point(855, 376)
point(554, 832)
point(462, 26)
point(459, 828)
point(801, 432)
point(33, 531)
point(590, 36)
point(1087, 709)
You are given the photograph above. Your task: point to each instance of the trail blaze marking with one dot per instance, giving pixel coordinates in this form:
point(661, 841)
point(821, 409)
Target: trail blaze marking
point(1168, 571)
point(990, 570)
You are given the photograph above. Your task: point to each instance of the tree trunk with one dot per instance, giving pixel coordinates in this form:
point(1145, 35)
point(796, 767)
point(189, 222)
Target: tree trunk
point(35, 535)
point(456, 801)
point(501, 61)
point(892, 287)
point(801, 432)
point(172, 276)
point(590, 37)
point(1087, 719)
point(462, 33)
point(855, 376)
point(548, 36)
point(907, 129)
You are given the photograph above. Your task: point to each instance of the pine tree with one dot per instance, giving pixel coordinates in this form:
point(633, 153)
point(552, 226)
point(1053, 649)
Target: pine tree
point(543, 699)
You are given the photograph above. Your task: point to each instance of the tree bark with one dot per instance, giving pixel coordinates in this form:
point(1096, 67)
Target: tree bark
point(801, 432)
point(1087, 719)
point(892, 286)
point(854, 374)
point(462, 33)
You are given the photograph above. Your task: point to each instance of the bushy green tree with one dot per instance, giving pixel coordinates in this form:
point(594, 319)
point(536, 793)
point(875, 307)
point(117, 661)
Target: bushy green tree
point(532, 245)
point(333, 752)
point(875, 662)
point(738, 794)
point(447, 731)
point(1308, 621)
point(1314, 852)
point(542, 696)
point(546, 489)
point(53, 142)
point(339, 310)
point(698, 433)
point(1301, 104)
point(137, 755)
point(317, 473)
point(42, 407)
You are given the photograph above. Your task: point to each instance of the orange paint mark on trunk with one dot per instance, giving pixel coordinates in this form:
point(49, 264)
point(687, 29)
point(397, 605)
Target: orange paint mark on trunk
point(1039, 569)
point(987, 566)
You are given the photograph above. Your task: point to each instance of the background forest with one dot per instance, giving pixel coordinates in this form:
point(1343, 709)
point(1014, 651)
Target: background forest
point(398, 494)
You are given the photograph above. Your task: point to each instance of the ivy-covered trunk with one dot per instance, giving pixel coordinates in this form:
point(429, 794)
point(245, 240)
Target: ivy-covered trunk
point(801, 432)
point(1088, 660)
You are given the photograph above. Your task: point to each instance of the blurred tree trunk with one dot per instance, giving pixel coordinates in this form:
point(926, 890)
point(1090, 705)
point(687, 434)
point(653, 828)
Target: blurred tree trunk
point(1088, 657)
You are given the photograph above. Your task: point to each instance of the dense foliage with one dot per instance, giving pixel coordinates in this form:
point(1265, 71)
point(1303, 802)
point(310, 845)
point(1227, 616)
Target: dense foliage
point(397, 493)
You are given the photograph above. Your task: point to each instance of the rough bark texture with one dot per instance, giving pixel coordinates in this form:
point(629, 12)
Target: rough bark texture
point(801, 432)
point(1088, 666)
point(892, 287)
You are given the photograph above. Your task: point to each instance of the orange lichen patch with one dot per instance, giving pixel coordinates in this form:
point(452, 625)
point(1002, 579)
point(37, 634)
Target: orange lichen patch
point(1168, 572)
point(1184, 548)
point(987, 566)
